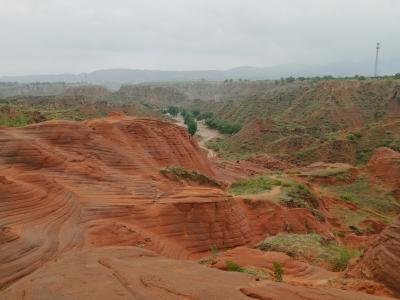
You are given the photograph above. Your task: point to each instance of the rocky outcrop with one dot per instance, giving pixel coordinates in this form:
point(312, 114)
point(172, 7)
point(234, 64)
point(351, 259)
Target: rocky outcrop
point(385, 165)
point(381, 261)
point(134, 273)
point(68, 185)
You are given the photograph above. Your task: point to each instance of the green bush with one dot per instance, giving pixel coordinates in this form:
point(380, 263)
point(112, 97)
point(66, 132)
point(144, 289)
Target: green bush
point(190, 122)
point(173, 110)
point(341, 257)
point(233, 267)
point(278, 271)
point(223, 126)
point(296, 195)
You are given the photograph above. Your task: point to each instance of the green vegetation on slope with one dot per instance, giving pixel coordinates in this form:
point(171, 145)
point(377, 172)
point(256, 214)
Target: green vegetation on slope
point(223, 126)
point(253, 185)
point(367, 195)
point(292, 194)
point(311, 247)
point(192, 175)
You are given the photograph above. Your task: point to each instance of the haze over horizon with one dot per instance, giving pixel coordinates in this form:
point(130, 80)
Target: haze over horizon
point(54, 37)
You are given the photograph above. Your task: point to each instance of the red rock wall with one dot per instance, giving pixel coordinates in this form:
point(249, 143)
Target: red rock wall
point(381, 261)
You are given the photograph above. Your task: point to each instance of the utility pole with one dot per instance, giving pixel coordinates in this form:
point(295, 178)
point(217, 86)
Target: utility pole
point(378, 47)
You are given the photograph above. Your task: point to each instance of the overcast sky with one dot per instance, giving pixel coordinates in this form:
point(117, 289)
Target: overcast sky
point(57, 36)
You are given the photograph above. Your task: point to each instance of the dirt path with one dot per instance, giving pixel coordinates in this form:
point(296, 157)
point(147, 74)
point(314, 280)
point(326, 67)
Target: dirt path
point(203, 134)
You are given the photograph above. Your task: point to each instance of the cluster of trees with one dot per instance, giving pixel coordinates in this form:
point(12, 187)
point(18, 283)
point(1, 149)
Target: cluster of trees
point(190, 121)
point(223, 126)
point(190, 118)
point(173, 110)
point(290, 79)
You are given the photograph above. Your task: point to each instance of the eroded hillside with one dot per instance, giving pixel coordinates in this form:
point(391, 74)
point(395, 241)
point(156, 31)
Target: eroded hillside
point(114, 201)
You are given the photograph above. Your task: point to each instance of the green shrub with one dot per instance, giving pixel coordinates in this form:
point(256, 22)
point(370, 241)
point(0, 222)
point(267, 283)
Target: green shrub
point(223, 126)
point(341, 257)
point(296, 195)
point(351, 137)
point(233, 267)
point(173, 110)
point(278, 271)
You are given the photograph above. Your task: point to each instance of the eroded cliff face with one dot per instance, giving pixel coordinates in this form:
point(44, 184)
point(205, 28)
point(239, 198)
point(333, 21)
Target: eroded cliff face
point(67, 185)
point(385, 165)
point(381, 261)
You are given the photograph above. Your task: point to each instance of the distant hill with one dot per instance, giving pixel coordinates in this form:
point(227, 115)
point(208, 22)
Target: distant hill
point(116, 77)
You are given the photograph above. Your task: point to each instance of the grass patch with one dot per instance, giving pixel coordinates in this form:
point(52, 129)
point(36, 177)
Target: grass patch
point(253, 185)
point(192, 175)
point(311, 247)
point(234, 267)
point(367, 195)
point(349, 217)
point(339, 173)
point(19, 120)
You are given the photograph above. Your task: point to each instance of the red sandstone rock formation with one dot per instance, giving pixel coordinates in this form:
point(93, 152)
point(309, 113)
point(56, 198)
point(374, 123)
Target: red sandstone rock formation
point(247, 257)
point(73, 193)
point(381, 261)
point(385, 165)
point(70, 185)
point(133, 273)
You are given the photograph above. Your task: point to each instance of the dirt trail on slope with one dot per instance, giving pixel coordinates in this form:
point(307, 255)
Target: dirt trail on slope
point(204, 134)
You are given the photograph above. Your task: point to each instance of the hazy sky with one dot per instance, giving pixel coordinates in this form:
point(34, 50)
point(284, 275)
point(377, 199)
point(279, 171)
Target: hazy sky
point(56, 36)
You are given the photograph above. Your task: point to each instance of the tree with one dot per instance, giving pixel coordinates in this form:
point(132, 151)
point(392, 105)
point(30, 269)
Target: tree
point(397, 76)
point(290, 79)
point(173, 110)
point(192, 127)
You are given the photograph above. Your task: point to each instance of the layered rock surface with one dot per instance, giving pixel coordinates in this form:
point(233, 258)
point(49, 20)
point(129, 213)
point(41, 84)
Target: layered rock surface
point(78, 201)
point(67, 185)
point(381, 261)
point(134, 273)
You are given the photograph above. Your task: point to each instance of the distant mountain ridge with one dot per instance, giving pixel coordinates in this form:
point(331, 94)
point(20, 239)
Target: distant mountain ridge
point(121, 76)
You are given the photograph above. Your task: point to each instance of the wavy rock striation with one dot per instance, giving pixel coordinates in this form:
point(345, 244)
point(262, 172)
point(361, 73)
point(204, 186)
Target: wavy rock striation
point(381, 261)
point(67, 185)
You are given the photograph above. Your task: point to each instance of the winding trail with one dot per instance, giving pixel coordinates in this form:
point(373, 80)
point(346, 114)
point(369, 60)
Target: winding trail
point(203, 134)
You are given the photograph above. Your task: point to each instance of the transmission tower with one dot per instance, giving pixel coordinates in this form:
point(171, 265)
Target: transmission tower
point(378, 47)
